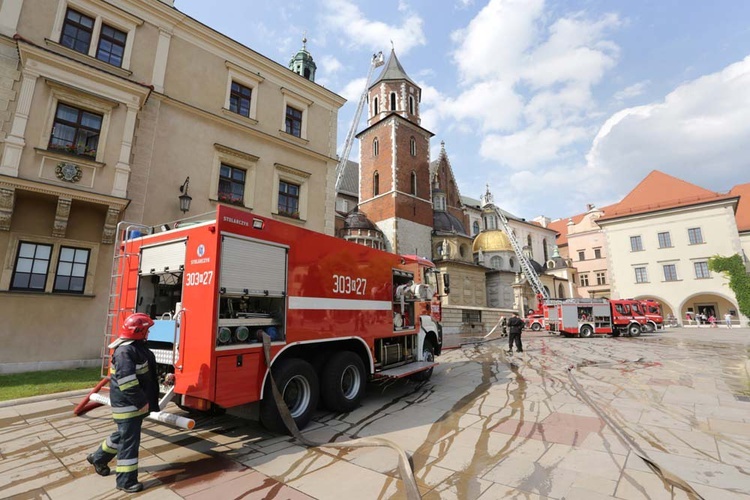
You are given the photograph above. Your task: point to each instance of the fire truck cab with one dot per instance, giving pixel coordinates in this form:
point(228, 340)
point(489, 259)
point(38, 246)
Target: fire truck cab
point(337, 313)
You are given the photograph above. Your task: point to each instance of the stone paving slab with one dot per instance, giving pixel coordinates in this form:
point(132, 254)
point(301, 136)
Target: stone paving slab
point(485, 426)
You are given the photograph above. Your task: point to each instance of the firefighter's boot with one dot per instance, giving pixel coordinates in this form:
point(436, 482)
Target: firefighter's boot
point(101, 469)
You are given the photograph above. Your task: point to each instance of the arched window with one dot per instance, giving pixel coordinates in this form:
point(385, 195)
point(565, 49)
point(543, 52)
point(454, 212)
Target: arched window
point(411, 104)
point(544, 247)
point(528, 241)
point(375, 107)
point(496, 262)
point(393, 101)
point(511, 263)
point(413, 146)
point(439, 250)
point(475, 228)
point(463, 249)
point(375, 184)
point(560, 291)
point(413, 187)
point(375, 147)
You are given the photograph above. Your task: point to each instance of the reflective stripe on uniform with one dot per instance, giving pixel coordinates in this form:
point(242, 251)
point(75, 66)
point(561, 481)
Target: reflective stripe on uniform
point(109, 447)
point(123, 409)
point(126, 412)
point(125, 380)
point(142, 368)
point(127, 465)
point(128, 385)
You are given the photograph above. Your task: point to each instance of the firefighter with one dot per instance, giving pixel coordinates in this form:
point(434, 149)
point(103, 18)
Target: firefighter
point(134, 392)
point(515, 326)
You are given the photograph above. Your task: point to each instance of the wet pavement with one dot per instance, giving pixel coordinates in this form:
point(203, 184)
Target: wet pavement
point(661, 416)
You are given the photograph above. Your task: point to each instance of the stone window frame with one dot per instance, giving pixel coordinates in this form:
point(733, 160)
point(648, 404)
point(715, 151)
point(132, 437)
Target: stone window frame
point(295, 176)
point(413, 183)
point(641, 274)
point(102, 14)
point(14, 244)
point(238, 159)
point(248, 79)
point(57, 269)
point(413, 146)
point(300, 103)
point(375, 147)
point(81, 99)
point(704, 273)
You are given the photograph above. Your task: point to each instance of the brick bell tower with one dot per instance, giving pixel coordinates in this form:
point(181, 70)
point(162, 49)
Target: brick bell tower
point(394, 159)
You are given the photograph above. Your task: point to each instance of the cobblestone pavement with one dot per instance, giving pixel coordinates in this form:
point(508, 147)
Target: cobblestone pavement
point(568, 418)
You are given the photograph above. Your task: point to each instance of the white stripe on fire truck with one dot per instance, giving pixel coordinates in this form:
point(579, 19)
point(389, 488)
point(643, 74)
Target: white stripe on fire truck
point(338, 304)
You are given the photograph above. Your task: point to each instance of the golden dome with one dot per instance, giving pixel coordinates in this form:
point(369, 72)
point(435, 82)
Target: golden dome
point(492, 241)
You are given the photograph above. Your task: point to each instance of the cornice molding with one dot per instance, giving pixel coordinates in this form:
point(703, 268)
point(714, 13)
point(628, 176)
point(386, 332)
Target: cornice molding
point(62, 191)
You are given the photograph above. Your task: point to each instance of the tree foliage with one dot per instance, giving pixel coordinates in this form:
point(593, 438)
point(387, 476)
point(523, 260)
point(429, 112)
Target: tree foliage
point(739, 281)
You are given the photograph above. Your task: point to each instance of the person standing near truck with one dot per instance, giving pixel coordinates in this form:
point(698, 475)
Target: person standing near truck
point(515, 326)
point(134, 393)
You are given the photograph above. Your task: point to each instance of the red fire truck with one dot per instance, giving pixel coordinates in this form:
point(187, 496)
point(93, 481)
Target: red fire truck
point(654, 317)
point(587, 317)
point(337, 313)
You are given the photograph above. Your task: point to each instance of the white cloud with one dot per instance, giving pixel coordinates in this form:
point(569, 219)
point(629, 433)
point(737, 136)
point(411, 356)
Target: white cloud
point(346, 18)
point(352, 91)
point(631, 91)
point(699, 132)
point(329, 64)
point(530, 147)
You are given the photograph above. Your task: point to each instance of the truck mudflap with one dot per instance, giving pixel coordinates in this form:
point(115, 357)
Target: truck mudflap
point(405, 370)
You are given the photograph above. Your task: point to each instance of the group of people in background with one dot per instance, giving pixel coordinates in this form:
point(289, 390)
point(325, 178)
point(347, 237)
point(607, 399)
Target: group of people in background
point(710, 319)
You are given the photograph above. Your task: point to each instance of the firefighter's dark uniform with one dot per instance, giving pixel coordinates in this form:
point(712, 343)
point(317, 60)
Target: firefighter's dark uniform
point(515, 326)
point(134, 392)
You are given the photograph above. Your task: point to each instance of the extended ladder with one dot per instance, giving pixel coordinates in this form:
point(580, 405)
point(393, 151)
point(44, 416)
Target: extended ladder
point(526, 267)
point(118, 284)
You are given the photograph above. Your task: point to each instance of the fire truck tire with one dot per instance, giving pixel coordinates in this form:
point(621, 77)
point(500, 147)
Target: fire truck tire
point(342, 382)
point(615, 333)
point(634, 330)
point(299, 388)
point(536, 327)
point(428, 354)
point(586, 332)
point(648, 327)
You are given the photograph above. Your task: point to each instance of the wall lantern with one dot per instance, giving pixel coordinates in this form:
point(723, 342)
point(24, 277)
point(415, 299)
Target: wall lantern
point(185, 198)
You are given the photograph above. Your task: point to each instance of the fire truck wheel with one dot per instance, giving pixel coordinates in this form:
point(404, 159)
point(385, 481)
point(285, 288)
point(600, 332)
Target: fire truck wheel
point(428, 354)
point(586, 331)
point(634, 330)
point(298, 385)
point(342, 382)
point(536, 327)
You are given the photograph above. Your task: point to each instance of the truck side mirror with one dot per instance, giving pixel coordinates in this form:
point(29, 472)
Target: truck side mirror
point(446, 284)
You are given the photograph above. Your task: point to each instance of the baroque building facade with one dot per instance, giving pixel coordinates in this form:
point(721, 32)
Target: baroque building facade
point(105, 112)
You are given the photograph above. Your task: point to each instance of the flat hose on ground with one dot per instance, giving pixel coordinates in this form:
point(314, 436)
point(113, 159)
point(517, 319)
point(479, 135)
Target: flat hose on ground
point(667, 476)
point(404, 464)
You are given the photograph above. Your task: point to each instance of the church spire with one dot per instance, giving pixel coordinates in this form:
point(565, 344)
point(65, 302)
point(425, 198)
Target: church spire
point(302, 62)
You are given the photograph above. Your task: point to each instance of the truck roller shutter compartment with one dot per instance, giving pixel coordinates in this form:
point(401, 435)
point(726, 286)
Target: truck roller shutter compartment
point(252, 267)
point(158, 259)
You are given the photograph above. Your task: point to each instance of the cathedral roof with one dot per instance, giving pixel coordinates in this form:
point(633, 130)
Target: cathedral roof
point(393, 71)
point(492, 240)
point(358, 220)
point(350, 179)
point(445, 222)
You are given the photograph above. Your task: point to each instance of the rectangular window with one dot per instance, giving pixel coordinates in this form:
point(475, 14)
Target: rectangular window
point(111, 45)
point(581, 255)
point(32, 264)
point(635, 244)
point(695, 236)
point(231, 185)
point(471, 316)
point(701, 270)
point(584, 279)
point(601, 278)
point(293, 121)
point(670, 272)
point(289, 199)
point(75, 131)
point(71, 270)
point(640, 275)
point(239, 99)
point(665, 241)
point(77, 31)
point(597, 253)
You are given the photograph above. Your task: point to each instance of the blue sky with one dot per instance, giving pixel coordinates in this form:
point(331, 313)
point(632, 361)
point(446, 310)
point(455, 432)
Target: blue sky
point(554, 104)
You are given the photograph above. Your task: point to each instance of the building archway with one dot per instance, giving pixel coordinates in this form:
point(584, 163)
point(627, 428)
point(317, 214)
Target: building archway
point(708, 303)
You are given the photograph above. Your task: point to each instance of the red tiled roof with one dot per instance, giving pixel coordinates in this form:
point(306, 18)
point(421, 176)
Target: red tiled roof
point(743, 206)
point(660, 191)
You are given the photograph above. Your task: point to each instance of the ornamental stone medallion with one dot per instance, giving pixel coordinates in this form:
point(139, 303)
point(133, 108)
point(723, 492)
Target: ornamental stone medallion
point(68, 172)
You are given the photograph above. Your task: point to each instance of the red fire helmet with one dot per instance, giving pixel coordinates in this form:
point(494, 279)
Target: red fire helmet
point(135, 326)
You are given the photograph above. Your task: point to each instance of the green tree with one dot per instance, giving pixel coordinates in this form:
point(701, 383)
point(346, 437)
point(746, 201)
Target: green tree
point(739, 281)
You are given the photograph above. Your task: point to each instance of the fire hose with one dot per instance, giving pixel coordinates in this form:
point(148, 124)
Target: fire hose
point(405, 466)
